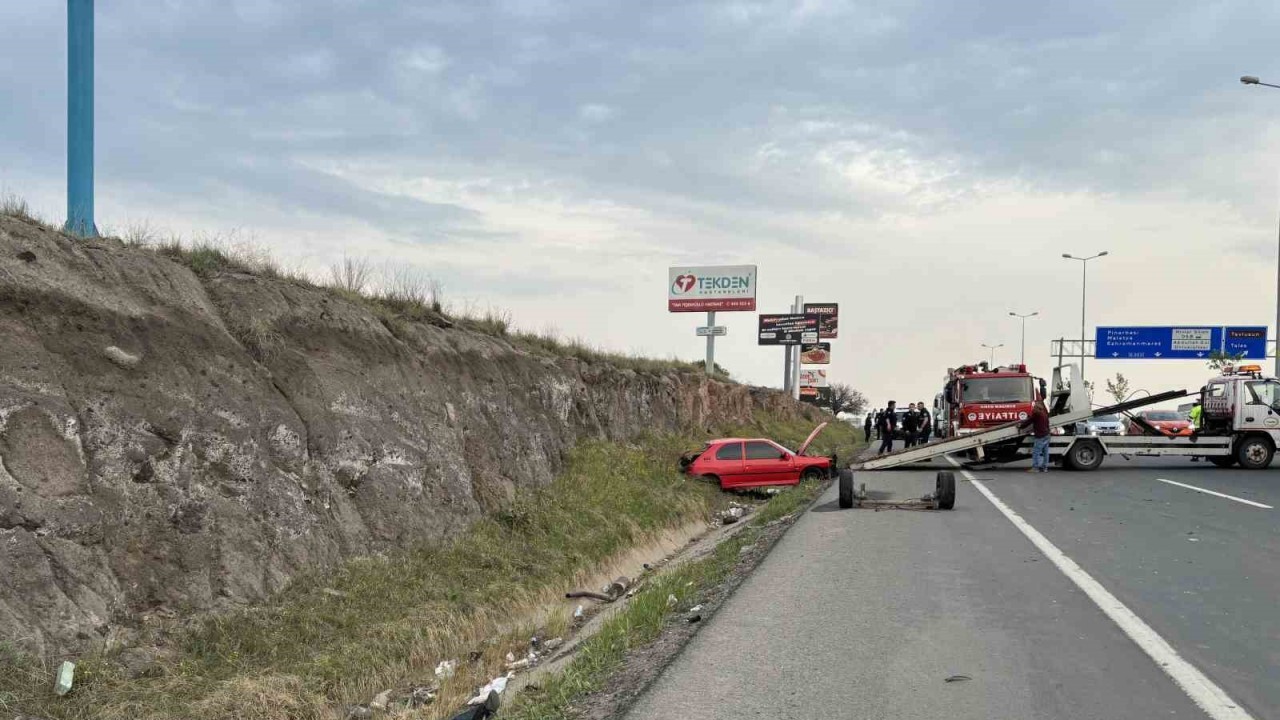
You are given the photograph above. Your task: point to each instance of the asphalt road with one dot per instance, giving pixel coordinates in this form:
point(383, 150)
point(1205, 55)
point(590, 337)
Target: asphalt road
point(863, 614)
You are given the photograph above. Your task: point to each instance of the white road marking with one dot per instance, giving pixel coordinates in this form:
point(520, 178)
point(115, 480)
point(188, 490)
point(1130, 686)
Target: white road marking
point(1202, 691)
point(1216, 494)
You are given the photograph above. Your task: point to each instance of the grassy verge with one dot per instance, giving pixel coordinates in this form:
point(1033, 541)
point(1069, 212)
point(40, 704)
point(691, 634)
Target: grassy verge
point(383, 623)
point(603, 655)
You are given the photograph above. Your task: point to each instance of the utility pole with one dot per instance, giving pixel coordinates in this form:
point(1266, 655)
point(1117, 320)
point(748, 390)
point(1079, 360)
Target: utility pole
point(80, 118)
point(991, 362)
point(1252, 80)
point(795, 353)
point(1084, 287)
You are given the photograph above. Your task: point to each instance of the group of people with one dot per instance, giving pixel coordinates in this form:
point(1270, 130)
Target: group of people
point(917, 425)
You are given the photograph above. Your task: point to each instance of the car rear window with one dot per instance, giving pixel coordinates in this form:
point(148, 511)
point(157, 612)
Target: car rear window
point(731, 451)
point(1164, 415)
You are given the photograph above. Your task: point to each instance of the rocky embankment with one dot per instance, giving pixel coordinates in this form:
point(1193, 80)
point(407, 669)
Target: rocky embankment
point(173, 443)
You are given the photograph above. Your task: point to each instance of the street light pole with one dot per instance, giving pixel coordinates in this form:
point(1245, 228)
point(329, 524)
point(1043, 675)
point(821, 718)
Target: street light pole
point(1084, 289)
point(1023, 357)
point(992, 361)
point(1251, 80)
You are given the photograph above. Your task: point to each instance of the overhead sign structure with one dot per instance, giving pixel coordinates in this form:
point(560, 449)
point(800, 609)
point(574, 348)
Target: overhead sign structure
point(1192, 342)
point(828, 317)
point(711, 289)
point(793, 329)
point(813, 378)
point(816, 353)
point(714, 330)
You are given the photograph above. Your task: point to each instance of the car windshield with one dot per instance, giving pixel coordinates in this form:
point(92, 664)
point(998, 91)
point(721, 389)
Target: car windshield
point(1107, 419)
point(1164, 415)
point(996, 389)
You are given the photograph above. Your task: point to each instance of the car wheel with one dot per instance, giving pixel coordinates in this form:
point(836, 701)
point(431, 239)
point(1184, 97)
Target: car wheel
point(811, 475)
point(846, 489)
point(945, 490)
point(1254, 452)
point(1084, 455)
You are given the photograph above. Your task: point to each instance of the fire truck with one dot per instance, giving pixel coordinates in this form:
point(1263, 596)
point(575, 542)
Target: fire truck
point(977, 397)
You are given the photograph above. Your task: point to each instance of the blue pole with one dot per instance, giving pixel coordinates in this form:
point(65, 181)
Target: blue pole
point(80, 118)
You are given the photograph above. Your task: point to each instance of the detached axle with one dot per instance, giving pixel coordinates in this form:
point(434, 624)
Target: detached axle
point(943, 497)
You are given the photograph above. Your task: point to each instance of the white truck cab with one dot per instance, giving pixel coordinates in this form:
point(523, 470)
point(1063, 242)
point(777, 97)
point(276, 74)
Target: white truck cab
point(1246, 405)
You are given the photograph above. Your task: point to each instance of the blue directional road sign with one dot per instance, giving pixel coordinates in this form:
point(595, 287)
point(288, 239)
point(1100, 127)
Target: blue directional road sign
point(1188, 342)
point(1247, 342)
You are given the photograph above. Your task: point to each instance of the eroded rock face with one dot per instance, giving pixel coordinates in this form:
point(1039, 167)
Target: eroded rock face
point(169, 443)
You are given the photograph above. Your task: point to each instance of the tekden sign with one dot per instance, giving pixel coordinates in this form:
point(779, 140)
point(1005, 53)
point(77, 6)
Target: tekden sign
point(715, 288)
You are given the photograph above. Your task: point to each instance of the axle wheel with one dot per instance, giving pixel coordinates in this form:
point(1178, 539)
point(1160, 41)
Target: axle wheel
point(1083, 455)
point(846, 488)
point(945, 490)
point(1254, 452)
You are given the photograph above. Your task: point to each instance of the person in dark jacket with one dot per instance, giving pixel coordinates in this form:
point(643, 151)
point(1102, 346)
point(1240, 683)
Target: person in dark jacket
point(1039, 424)
point(866, 428)
point(910, 425)
point(888, 421)
point(926, 424)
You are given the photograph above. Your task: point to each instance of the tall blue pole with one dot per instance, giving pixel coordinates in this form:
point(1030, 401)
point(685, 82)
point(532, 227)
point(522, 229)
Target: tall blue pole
point(80, 118)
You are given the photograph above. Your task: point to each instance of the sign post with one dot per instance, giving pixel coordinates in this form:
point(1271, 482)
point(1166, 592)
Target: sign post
point(1194, 342)
point(80, 118)
point(710, 289)
point(795, 351)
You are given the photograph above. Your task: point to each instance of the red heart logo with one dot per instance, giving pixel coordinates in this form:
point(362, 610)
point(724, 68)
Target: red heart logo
point(684, 283)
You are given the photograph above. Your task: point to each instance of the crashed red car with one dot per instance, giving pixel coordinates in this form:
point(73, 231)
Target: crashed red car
point(756, 462)
point(1166, 421)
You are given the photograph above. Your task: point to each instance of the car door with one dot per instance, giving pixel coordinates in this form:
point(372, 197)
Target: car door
point(1260, 406)
point(727, 464)
point(766, 464)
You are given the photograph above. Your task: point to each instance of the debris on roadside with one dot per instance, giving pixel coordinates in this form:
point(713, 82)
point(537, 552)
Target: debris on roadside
point(495, 687)
point(732, 515)
point(578, 613)
point(380, 701)
point(423, 695)
point(609, 593)
point(359, 712)
point(696, 617)
point(957, 678)
point(482, 709)
point(552, 644)
point(695, 608)
point(66, 677)
point(672, 600)
point(446, 668)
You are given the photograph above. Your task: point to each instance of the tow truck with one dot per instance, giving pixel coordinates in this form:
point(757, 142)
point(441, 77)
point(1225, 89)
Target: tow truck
point(1240, 424)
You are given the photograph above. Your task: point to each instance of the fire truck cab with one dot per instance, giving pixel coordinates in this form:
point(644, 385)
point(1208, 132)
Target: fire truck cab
point(977, 397)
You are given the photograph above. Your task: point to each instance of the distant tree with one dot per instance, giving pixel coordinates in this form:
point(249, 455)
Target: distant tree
point(844, 399)
point(1118, 388)
point(1219, 360)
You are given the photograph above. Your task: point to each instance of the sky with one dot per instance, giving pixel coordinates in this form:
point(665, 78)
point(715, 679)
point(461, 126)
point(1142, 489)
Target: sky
point(923, 164)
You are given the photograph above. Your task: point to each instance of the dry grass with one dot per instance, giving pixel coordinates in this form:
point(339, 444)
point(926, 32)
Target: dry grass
point(15, 206)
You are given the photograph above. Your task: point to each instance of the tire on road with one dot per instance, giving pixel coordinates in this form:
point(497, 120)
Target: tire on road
point(1254, 452)
point(1083, 455)
point(846, 488)
point(945, 490)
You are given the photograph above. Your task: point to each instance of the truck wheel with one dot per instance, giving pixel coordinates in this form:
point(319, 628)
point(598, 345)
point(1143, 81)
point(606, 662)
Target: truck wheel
point(945, 490)
point(1254, 452)
point(846, 489)
point(1083, 455)
point(1225, 461)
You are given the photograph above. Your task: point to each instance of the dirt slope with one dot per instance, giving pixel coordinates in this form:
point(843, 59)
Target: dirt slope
point(173, 443)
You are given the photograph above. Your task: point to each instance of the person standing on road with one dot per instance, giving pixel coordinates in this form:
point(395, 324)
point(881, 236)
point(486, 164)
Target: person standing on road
point(910, 426)
point(887, 422)
point(866, 428)
point(1195, 416)
point(876, 427)
point(1039, 424)
point(926, 424)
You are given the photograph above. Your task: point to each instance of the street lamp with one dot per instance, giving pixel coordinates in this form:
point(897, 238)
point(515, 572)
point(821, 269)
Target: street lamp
point(1252, 80)
point(1084, 285)
point(992, 362)
point(1023, 361)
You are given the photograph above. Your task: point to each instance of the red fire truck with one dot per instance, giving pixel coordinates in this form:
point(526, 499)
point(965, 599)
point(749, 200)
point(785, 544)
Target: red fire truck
point(976, 397)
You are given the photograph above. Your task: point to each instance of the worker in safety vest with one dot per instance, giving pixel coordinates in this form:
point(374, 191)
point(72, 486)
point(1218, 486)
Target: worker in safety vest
point(1195, 416)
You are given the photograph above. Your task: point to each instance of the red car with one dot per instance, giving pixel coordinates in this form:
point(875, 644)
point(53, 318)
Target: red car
point(756, 462)
point(1166, 421)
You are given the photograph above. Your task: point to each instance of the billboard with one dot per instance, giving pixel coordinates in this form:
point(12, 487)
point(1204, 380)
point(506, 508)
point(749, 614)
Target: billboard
point(815, 353)
point(787, 329)
point(716, 288)
point(813, 378)
point(828, 315)
point(820, 396)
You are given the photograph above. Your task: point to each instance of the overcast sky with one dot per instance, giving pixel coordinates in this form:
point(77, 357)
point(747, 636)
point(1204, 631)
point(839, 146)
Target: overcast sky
point(924, 164)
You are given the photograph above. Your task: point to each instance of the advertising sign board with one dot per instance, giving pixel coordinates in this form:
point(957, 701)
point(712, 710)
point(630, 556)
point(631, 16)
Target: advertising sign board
point(820, 396)
point(815, 354)
point(787, 329)
point(813, 378)
point(828, 315)
point(718, 288)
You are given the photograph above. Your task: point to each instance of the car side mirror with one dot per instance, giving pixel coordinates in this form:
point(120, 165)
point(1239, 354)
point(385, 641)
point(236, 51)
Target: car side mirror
point(782, 456)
